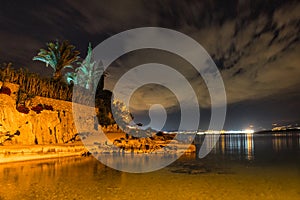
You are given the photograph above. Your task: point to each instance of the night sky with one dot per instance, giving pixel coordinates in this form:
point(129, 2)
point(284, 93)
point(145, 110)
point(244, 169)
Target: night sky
point(255, 45)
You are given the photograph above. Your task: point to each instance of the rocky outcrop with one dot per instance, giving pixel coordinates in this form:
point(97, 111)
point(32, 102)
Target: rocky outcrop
point(158, 143)
point(111, 129)
point(47, 121)
point(54, 125)
point(47, 127)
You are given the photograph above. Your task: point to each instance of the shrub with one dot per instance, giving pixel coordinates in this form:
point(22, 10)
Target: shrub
point(5, 90)
point(47, 107)
point(38, 109)
point(23, 109)
point(34, 85)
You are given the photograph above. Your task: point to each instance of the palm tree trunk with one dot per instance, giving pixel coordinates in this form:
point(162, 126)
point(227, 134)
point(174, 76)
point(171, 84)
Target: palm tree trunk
point(57, 75)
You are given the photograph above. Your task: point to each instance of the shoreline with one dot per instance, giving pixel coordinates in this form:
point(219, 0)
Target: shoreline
point(19, 153)
point(10, 154)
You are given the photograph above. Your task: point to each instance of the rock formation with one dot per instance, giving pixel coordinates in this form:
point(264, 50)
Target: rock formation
point(53, 124)
point(48, 121)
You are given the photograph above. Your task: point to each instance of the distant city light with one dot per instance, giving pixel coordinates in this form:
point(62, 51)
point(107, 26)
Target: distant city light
point(246, 131)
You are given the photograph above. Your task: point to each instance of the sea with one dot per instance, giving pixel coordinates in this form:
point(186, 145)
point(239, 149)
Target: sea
point(240, 166)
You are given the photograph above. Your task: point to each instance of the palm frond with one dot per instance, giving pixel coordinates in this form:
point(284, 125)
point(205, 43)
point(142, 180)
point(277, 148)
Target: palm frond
point(59, 56)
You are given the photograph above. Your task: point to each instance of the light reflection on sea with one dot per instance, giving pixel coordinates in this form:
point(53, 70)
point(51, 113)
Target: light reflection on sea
point(239, 167)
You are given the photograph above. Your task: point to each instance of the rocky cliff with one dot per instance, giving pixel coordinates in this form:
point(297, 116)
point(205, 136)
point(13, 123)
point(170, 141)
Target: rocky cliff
point(48, 121)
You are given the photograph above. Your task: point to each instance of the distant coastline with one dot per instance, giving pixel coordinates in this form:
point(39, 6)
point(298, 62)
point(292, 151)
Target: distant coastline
point(296, 131)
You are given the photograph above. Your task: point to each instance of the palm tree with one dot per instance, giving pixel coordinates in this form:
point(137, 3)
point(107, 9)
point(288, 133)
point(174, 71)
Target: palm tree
point(71, 78)
point(87, 73)
point(59, 56)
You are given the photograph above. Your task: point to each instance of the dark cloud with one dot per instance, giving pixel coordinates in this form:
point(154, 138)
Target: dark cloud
point(255, 44)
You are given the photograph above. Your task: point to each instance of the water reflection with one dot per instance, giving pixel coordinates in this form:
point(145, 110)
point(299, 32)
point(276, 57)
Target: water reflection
point(284, 141)
point(241, 144)
point(53, 179)
point(254, 146)
point(86, 178)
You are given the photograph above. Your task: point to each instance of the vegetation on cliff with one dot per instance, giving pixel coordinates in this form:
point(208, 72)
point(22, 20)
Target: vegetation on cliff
point(32, 84)
point(59, 56)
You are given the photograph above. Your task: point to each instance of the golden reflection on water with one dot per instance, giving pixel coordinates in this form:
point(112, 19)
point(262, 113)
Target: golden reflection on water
point(86, 178)
point(284, 141)
point(250, 146)
point(240, 144)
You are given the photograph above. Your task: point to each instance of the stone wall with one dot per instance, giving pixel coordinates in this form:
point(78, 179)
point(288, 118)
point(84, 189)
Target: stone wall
point(47, 127)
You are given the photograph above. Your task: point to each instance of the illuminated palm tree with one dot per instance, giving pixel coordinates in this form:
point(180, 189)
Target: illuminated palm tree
point(87, 73)
point(59, 56)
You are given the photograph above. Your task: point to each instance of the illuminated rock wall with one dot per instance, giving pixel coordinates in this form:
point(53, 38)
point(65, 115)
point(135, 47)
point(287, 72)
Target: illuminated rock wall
point(47, 127)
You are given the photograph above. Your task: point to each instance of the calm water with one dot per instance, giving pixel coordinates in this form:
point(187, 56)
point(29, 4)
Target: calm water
point(239, 167)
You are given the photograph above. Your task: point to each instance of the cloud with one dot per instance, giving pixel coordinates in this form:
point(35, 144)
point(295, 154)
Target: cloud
point(112, 16)
point(257, 56)
point(269, 63)
point(255, 44)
